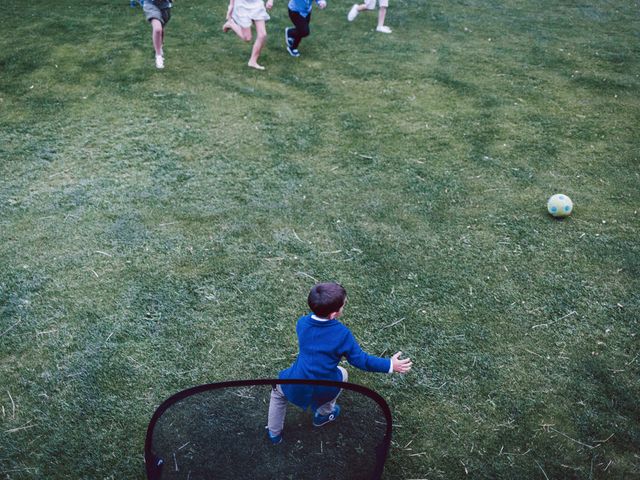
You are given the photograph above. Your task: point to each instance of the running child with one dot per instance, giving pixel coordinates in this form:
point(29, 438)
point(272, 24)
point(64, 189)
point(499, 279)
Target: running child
point(158, 14)
point(240, 15)
point(300, 15)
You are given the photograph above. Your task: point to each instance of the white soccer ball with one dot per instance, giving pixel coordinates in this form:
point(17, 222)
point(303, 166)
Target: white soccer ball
point(559, 205)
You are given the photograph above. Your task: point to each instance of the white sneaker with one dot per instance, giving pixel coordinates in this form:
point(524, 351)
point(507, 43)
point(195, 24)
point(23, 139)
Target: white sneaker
point(353, 13)
point(159, 61)
point(383, 29)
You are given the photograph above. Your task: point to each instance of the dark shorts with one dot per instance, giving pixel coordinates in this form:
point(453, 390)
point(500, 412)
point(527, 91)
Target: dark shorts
point(152, 11)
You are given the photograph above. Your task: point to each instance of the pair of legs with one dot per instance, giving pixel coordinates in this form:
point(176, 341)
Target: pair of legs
point(278, 407)
point(371, 5)
point(245, 34)
point(382, 13)
point(300, 30)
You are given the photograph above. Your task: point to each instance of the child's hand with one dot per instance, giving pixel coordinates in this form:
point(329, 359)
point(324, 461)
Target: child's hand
point(269, 4)
point(322, 4)
point(400, 366)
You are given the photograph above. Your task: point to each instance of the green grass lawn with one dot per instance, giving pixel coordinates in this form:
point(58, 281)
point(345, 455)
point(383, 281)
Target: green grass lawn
point(161, 229)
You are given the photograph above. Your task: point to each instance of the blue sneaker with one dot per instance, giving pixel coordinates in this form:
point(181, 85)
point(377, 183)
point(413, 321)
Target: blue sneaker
point(320, 420)
point(293, 51)
point(275, 439)
point(288, 40)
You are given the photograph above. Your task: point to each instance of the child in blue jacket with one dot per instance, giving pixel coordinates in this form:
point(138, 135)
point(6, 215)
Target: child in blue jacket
point(322, 342)
point(300, 15)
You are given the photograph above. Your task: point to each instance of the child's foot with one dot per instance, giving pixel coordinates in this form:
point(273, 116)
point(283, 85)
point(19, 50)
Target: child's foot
point(383, 29)
point(320, 420)
point(159, 61)
point(353, 13)
point(226, 27)
point(275, 439)
point(293, 51)
point(255, 65)
point(287, 39)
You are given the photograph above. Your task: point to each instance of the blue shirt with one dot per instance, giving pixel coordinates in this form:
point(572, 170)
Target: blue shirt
point(303, 7)
point(322, 344)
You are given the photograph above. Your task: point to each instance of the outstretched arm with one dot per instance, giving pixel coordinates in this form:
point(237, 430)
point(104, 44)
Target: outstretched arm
point(362, 360)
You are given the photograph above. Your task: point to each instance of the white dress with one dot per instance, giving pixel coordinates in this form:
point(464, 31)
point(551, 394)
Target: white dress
point(245, 11)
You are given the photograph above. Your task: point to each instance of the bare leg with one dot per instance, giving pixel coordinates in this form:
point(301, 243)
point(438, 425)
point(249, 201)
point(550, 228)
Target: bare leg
point(242, 33)
point(261, 39)
point(157, 35)
point(382, 13)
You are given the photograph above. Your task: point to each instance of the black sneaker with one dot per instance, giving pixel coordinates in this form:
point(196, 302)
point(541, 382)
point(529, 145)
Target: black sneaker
point(288, 40)
point(293, 51)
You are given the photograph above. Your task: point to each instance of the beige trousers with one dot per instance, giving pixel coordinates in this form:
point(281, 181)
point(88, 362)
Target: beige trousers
point(278, 406)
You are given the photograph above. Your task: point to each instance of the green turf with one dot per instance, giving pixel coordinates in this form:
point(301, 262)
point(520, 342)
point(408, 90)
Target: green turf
point(160, 230)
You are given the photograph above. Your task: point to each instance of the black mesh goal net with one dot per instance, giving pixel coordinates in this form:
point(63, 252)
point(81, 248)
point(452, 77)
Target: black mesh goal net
point(217, 431)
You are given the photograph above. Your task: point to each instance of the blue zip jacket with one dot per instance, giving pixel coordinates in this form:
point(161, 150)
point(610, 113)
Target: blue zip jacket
point(322, 344)
point(303, 7)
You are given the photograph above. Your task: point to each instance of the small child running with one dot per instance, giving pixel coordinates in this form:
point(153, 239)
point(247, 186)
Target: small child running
point(371, 5)
point(240, 15)
point(300, 15)
point(322, 342)
point(158, 14)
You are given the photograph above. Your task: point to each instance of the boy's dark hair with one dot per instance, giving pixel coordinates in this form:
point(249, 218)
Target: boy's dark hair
point(326, 298)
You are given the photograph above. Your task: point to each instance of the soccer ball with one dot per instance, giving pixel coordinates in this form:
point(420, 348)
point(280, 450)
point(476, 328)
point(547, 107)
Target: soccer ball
point(559, 205)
